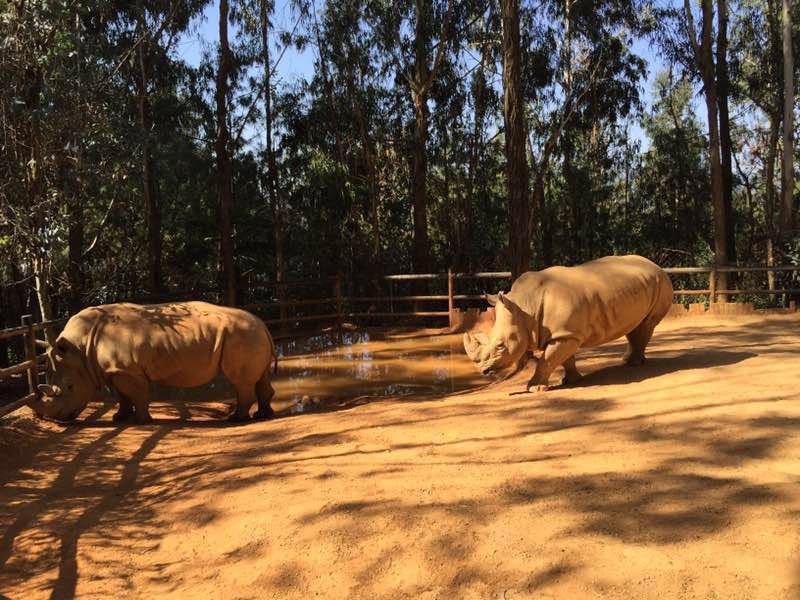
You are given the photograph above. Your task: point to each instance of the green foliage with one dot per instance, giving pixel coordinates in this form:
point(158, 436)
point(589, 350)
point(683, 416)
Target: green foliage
point(619, 174)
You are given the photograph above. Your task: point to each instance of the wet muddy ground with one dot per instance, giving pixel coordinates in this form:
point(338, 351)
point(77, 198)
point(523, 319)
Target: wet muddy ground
point(678, 479)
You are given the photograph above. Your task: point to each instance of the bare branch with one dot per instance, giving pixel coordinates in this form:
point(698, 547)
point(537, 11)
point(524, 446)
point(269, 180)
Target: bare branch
point(261, 87)
point(441, 47)
point(691, 31)
point(101, 227)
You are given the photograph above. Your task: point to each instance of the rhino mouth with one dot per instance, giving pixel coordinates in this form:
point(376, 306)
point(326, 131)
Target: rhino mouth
point(47, 409)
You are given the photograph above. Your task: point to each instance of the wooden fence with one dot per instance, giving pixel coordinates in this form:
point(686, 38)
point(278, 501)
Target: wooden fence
point(33, 361)
point(410, 305)
point(334, 307)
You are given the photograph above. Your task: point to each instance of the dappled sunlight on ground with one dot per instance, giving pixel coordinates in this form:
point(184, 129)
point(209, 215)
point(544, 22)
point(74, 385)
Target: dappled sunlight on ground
point(680, 478)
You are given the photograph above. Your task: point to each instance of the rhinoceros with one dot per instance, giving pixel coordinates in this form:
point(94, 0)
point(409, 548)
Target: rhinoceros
point(126, 347)
point(561, 309)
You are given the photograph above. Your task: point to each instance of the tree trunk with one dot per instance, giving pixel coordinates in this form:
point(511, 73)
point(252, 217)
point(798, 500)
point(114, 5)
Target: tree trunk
point(576, 251)
point(540, 203)
point(272, 171)
point(705, 63)
point(75, 241)
point(224, 171)
point(41, 274)
point(421, 254)
point(420, 174)
point(368, 151)
point(480, 87)
point(725, 142)
point(769, 192)
point(788, 118)
point(519, 246)
point(152, 206)
point(75, 234)
point(717, 196)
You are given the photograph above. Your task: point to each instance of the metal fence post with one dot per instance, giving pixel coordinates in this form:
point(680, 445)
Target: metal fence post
point(30, 354)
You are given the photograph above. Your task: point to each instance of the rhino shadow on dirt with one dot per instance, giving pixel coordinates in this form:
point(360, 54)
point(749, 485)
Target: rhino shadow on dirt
point(656, 366)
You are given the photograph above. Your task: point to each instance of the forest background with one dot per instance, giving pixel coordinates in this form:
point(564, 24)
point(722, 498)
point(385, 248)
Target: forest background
point(158, 149)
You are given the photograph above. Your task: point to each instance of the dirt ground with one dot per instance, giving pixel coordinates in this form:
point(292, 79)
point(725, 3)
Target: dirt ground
point(679, 479)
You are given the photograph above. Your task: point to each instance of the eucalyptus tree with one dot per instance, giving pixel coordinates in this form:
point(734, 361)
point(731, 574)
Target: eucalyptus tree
point(788, 115)
point(416, 52)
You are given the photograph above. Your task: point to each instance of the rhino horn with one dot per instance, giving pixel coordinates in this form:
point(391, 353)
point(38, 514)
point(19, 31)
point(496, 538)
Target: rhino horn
point(473, 346)
point(43, 408)
point(491, 298)
point(49, 390)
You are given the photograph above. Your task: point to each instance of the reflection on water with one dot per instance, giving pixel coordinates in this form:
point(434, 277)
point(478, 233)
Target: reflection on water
point(320, 371)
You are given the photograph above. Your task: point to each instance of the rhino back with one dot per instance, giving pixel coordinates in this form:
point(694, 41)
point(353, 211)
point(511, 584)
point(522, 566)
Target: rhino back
point(177, 344)
point(595, 302)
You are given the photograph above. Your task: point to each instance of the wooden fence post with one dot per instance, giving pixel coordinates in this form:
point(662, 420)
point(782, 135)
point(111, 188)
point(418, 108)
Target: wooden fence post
point(337, 290)
point(282, 312)
point(450, 304)
point(712, 286)
point(30, 355)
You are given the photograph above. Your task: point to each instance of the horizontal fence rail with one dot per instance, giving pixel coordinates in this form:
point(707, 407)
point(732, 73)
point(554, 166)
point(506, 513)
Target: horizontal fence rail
point(334, 307)
point(404, 300)
point(32, 363)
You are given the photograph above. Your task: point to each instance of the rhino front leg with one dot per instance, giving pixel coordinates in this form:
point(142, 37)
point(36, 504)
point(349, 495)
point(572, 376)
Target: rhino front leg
point(125, 412)
point(571, 373)
point(555, 354)
point(135, 391)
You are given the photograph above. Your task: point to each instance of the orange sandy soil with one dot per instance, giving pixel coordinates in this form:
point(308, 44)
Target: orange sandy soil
point(679, 479)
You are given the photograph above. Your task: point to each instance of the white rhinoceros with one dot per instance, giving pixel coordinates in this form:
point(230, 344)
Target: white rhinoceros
point(126, 347)
point(561, 309)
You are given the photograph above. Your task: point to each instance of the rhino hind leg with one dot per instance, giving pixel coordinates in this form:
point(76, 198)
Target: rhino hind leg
point(264, 392)
point(245, 398)
point(637, 342)
point(556, 354)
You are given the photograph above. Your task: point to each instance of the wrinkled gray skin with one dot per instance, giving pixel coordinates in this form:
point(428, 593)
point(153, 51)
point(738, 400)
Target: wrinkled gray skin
point(507, 342)
point(70, 388)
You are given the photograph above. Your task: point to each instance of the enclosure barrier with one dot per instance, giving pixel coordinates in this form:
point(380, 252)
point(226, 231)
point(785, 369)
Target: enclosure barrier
point(32, 361)
point(334, 305)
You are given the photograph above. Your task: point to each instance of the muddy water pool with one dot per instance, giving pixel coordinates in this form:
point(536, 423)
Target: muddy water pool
point(328, 370)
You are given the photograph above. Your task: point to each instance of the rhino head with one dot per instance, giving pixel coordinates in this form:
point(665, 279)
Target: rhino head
point(69, 388)
point(507, 341)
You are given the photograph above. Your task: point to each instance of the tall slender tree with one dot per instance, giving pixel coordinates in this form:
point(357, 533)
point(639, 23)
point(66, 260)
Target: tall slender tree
point(703, 54)
point(725, 143)
point(519, 235)
point(224, 171)
point(788, 117)
point(150, 191)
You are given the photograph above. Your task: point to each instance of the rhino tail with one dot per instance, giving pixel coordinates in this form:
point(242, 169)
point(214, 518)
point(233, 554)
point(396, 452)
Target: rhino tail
point(274, 354)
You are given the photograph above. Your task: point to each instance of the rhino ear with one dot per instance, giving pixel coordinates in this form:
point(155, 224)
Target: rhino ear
point(491, 298)
point(507, 302)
